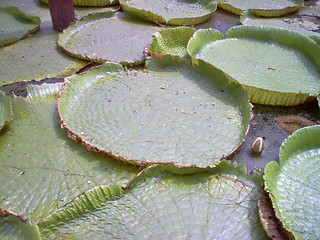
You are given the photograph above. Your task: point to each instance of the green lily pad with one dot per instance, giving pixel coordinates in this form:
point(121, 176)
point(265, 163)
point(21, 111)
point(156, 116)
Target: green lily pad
point(90, 3)
point(35, 59)
point(293, 184)
point(275, 66)
point(172, 41)
point(5, 109)
point(305, 22)
point(158, 204)
point(15, 25)
point(105, 37)
point(13, 226)
point(169, 112)
point(41, 168)
point(172, 12)
point(262, 7)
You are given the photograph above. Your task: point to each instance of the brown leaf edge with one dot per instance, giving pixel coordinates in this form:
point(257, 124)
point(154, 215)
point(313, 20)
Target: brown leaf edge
point(284, 120)
point(272, 225)
point(6, 213)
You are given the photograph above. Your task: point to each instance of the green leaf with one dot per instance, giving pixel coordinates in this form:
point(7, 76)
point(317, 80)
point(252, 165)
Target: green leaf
point(5, 109)
point(172, 41)
point(261, 7)
point(35, 59)
point(293, 184)
point(172, 12)
point(275, 66)
point(41, 168)
point(105, 37)
point(305, 21)
point(13, 226)
point(169, 112)
point(90, 3)
point(162, 205)
point(15, 25)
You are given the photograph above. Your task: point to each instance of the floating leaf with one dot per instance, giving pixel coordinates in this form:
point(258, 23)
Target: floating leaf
point(169, 112)
point(275, 66)
point(262, 7)
point(305, 22)
point(15, 24)
point(172, 41)
point(293, 184)
point(13, 226)
point(5, 109)
point(35, 59)
point(209, 204)
point(105, 37)
point(90, 3)
point(172, 12)
point(41, 168)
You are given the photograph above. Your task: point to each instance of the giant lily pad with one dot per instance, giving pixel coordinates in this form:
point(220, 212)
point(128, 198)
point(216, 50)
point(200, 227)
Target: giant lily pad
point(209, 204)
point(293, 184)
point(34, 59)
point(305, 21)
point(105, 37)
point(173, 12)
point(90, 3)
point(262, 7)
point(15, 24)
point(13, 226)
point(275, 66)
point(170, 112)
point(41, 168)
point(5, 109)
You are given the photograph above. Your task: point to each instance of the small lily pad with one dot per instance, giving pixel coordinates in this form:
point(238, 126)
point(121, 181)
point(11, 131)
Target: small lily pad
point(172, 12)
point(262, 7)
point(172, 41)
point(15, 25)
point(293, 184)
point(168, 112)
point(275, 66)
point(105, 37)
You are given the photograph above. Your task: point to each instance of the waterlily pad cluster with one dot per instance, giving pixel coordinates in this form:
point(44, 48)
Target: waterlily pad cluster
point(136, 142)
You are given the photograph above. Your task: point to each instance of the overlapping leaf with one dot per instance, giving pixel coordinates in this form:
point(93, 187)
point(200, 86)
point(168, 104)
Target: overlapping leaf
point(35, 59)
point(15, 227)
point(5, 109)
point(15, 24)
point(40, 167)
point(208, 204)
point(305, 21)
